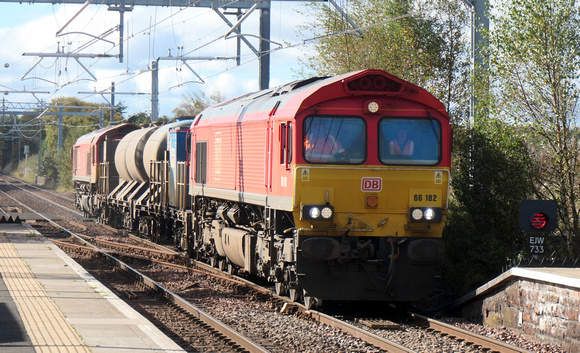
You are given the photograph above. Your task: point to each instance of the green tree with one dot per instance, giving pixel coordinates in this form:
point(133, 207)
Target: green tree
point(55, 162)
point(534, 66)
point(419, 41)
point(490, 176)
point(26, 133)
point(140, 118)
point(196, 102)
point(120, 110)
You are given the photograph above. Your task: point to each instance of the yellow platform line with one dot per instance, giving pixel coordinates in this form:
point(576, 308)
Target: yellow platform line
point(47, 327)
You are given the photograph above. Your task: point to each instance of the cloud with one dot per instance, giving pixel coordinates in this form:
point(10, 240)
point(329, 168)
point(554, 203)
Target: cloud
point(152, 32)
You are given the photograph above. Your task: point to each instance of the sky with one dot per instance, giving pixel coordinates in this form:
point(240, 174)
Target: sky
point(27, 30)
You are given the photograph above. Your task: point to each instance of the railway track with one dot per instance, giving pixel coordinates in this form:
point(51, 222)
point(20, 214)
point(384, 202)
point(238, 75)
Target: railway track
point(189, 325)
point(201, 330)
point(54, 195)
point(162, 263)
point(467, 336)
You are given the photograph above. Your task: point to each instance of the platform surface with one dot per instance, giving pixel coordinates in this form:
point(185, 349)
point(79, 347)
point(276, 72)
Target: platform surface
point(562, 276)
point(48, 303)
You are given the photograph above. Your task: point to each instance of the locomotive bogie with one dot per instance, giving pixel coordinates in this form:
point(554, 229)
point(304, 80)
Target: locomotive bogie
point(85, 194)
point(396, 277)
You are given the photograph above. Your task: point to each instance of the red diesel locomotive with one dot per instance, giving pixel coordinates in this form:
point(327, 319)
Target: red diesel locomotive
point(331, 188)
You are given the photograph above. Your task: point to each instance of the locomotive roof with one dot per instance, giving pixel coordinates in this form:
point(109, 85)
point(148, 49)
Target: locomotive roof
point(107, 130)
point(301, 94)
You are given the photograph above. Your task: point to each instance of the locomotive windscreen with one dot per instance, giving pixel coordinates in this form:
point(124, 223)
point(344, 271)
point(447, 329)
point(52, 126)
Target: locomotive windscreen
point(334, 139)
point(410, 141)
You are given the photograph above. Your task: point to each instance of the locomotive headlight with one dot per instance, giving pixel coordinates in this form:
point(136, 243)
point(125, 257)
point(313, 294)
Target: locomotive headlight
point(429, 214)
point(426, 214)
point(317, 213)
point(314, 212)
point(417, 214)
point(326, 212)
point(373, 107)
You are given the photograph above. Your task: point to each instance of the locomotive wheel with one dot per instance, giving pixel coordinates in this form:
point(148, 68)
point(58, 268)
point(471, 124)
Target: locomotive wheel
point(231, 269)
point(294, 288)
point(281, 288)
point(222, 265)
point(310, 301)
point(213, 261)
point(295, 294)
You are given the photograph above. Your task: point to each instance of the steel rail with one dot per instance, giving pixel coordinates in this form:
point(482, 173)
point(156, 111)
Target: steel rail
point(225, 330)
point(220, 327)
point(36, 187)
point(366, 336)
point(485, 342)
point(116, 245)
point(47, 200)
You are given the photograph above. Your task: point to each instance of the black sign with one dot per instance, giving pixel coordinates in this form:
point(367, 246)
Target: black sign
point(538, 215)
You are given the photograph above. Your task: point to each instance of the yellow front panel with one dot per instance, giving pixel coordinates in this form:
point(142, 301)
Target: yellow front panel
point(396, 190)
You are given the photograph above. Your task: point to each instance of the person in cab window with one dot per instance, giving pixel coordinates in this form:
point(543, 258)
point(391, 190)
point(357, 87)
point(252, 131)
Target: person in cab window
point(401, 146)
point(321, 147)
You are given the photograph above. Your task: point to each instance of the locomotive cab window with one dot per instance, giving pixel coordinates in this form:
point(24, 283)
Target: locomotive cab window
point(410, 141)
point(286, 144)
point(334, 140)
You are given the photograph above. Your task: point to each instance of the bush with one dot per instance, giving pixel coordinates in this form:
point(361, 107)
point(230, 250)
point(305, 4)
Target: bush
point(489, 179)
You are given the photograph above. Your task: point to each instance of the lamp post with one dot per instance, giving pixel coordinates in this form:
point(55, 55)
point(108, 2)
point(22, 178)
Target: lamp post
point(471, 7)
point(478, 20)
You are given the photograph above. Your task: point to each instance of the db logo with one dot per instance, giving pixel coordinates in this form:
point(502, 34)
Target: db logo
point(371, 184)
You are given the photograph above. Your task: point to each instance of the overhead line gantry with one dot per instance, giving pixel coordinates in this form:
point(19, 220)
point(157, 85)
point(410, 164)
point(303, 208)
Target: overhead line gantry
point(122, 6)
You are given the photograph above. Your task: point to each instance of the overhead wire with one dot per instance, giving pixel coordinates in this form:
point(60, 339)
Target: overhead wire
point(156, 26)
point(58, 72)
point(151, 27)
point(305, 41)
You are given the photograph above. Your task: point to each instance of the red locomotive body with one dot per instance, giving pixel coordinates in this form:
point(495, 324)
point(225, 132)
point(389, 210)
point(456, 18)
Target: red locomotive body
point(332, 219)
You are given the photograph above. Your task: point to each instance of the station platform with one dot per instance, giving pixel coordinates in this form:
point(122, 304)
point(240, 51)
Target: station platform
point(557, 276)
point(48, 303)
point(541, 302)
